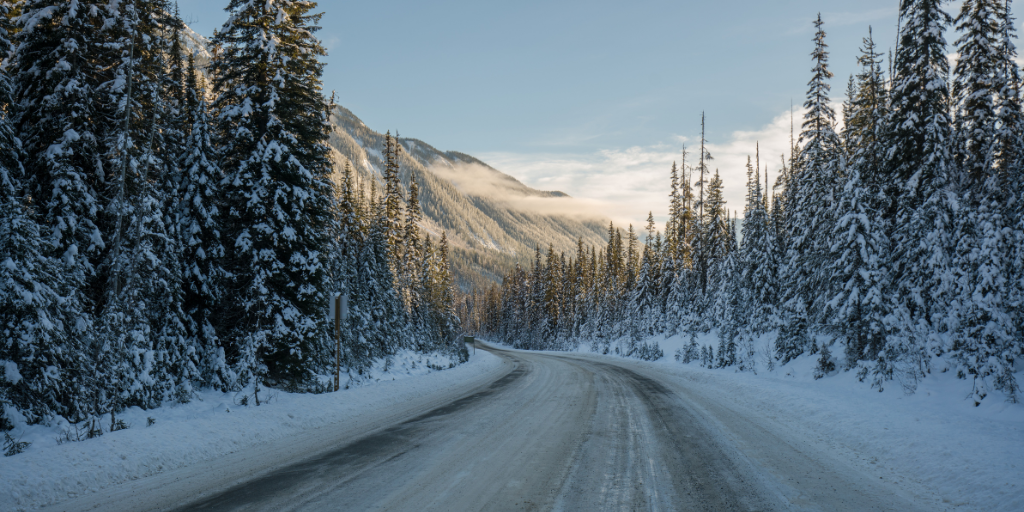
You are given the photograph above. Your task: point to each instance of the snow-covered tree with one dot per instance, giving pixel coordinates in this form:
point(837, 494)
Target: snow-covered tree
point(918, 205)
point(199, 217)
point(272, 132)
point(975, 89)
point(44, 374)
point(810, 203)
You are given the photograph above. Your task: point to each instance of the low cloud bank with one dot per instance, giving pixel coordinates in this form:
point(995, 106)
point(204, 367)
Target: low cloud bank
point(626, 184)
point(481, 181)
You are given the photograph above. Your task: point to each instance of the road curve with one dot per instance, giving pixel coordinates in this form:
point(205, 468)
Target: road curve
point(565, 432)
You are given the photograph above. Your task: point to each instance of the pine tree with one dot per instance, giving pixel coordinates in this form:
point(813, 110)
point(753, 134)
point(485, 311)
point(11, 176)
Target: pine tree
point(412, 255)
point(727, 312)
point(1009, 137)
point(550, 280)
point(675, 214)
point(810, 202)
point(760, 260)
point(918, 127)
point(392, 200)
point(868, 111)
point(644, 297)
point(1010, 158)
point(975, 88)
point(199, 224)
point(854, 298)
point(917, 170)
point(715, 224)
point(857, 280)
point(703, 246)
point(39, 304)
point(56, 101)
point(273, 134)
point(983, 339)
point(449, 322)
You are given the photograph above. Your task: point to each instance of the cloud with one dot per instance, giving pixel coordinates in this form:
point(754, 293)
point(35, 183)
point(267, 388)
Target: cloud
point(565, 206)
point(628, 183)
point(478, 180)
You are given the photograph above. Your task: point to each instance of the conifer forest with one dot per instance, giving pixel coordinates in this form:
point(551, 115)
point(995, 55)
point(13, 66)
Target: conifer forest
point(168, 226)
point(891, 245)
point(222, 289)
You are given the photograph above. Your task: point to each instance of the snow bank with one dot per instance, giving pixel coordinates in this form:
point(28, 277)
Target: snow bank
point(214, 425)
point(972, 458)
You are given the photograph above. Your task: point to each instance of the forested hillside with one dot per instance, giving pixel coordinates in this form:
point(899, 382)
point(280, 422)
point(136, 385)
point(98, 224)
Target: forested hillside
point(892, 247)
point(489, 225)
point(165, 229)
point(475, 204)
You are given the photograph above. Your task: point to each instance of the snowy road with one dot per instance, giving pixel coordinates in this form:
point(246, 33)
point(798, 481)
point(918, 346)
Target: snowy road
point(549, 431)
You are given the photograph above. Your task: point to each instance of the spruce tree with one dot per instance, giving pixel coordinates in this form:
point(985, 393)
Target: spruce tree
point(272, 130)
point(856, 284)
point(1010, 158)
point(869, 109)
point(39, 305)
point(703, 246)
point(200, 221)
point(810, 202)
point(412, 255)
point(918, 159)
point(55, 89)
point(760, 261)
point(975, 89)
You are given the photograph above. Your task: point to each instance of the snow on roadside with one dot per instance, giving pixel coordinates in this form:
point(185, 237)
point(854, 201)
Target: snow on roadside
point(972, 458)
point(213, 425)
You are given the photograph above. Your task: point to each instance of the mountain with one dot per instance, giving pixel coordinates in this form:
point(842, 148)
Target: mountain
point(492, 220)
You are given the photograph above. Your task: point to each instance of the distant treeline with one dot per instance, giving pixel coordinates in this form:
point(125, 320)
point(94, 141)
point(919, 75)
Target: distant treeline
point(893, 247)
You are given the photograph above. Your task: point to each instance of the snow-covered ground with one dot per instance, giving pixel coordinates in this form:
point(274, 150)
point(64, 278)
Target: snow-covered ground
point(972, 457)
point(217, 424)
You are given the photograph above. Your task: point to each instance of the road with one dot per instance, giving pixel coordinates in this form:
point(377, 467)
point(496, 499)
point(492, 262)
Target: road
point(551, 432)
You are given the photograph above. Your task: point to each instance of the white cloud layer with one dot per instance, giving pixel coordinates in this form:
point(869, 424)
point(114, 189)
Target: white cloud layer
point(625, 184)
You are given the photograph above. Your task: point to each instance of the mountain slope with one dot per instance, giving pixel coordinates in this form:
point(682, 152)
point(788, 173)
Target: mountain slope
point(492, 220)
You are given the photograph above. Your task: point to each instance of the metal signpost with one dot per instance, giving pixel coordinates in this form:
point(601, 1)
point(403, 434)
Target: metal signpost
point(339, 314)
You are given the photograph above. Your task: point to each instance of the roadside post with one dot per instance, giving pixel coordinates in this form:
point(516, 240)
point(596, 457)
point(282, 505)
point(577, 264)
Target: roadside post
point(471, 341)
point(339, 313)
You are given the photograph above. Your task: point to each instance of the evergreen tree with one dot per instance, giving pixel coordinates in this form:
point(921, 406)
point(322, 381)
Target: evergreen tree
point(760, 261)
point(199, 224)
point(917, 168)
point(984, 340)
point(412, 255)
point(272, 131)
point(857, 279)
point(810, 201)
point(56, 101)
point(703, 246)
point(868, 111)
point(975, 88)
point(39, 301)
point(445, 302)
point(1010, 158)
point(392, 200)
point(727, 311)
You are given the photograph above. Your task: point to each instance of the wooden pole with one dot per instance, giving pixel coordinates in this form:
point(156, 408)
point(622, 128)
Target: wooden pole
point(337, 336)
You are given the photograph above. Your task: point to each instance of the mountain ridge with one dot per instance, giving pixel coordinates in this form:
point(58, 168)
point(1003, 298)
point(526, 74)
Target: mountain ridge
point(493, 221)
point(487, 214)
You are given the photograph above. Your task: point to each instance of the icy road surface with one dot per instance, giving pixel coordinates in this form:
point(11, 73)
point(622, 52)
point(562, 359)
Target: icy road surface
point(547, 432)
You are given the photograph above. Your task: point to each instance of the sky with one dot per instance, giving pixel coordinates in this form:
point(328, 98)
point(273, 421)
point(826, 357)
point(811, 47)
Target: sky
point(597, 98)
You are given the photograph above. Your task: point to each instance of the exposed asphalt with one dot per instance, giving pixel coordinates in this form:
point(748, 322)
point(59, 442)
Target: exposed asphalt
point(565, 432)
